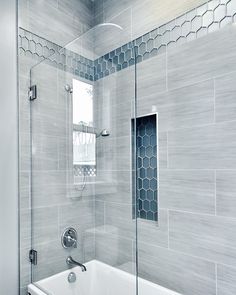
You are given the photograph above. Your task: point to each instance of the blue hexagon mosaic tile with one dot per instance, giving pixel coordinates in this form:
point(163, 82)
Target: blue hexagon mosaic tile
point(54, 55)
point(146, 162)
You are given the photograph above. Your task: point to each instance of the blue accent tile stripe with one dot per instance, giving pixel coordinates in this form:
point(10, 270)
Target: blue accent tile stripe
point(43, 50)
point(194, 24)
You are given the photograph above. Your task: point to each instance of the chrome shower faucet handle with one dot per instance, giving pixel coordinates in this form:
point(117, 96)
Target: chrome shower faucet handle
point(69, 238)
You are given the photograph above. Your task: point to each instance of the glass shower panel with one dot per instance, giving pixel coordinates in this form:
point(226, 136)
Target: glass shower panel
point(81, 153)
point(185, 73)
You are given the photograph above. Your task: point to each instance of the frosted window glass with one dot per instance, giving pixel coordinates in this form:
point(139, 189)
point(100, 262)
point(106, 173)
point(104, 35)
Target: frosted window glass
point(82, 103)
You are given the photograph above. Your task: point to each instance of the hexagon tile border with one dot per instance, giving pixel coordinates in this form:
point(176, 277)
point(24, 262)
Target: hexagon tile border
point(194, 24)
point(40, 49)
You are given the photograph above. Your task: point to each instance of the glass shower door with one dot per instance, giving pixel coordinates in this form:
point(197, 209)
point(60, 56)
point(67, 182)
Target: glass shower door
point(81, 168)
point(63, 165)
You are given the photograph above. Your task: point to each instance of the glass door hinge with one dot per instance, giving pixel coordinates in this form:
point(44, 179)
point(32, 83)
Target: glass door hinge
point(32, 94)
point(33, 256)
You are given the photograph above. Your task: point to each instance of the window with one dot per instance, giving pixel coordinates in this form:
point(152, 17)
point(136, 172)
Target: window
point(82, 103)
point(84, 137)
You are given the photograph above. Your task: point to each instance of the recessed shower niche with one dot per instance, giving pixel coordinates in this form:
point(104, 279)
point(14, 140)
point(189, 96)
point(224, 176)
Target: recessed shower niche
point(145, 136)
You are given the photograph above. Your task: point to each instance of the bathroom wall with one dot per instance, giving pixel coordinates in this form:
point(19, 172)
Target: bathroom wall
point(192, 248)
point(9, 275)
point(51, 207)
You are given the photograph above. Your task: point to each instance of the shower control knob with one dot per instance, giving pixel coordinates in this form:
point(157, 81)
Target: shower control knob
point(69, 238)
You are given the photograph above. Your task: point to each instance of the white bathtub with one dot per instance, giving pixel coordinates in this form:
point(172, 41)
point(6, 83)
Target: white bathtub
point(99, 279)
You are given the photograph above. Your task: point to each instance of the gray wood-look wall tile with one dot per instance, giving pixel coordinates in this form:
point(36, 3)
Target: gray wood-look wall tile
point(115, 89)
point(25, 228)
point(226, 280)
point(155, 233)
point(225, 91)
point(46, 152)
point(120, 217)
point(56, 22)
point(202, 59)
point(120, 249)
point(225, 193)
point(49, 188)
point(115, 191)
point(99, 213)
point(176, 271)
point(184, 107)
point(24, 185)
point(24, 150)
point(208, 237)
point(80, 10)
point(151, 78)
point(114, 154)
point(208, 147)
point(72, 213)
point(45, 224)
point(190, 190)
point(162, 150)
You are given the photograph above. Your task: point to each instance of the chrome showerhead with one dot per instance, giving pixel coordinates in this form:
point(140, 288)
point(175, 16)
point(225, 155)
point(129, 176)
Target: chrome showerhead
point(103, 133)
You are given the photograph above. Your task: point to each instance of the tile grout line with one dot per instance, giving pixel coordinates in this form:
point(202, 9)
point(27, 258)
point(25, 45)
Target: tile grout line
point(201, 214)
point(215, 192)
point(166, 64)
point(168, 229)
point(216, 278)
point(104, 214)
point(167, 150)
point(214, 100)
point(58, 220)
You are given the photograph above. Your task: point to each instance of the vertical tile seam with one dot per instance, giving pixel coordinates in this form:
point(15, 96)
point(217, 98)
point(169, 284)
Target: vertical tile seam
point(104, 216)
point(167, 150)
point(215, 192)
point(168, 228)
point(58, 221)
point(216, 278)
point(167, 80)
point(214, 100)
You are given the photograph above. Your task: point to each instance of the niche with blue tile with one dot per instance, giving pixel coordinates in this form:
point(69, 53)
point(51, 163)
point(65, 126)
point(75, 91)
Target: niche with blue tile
point(146, 158)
